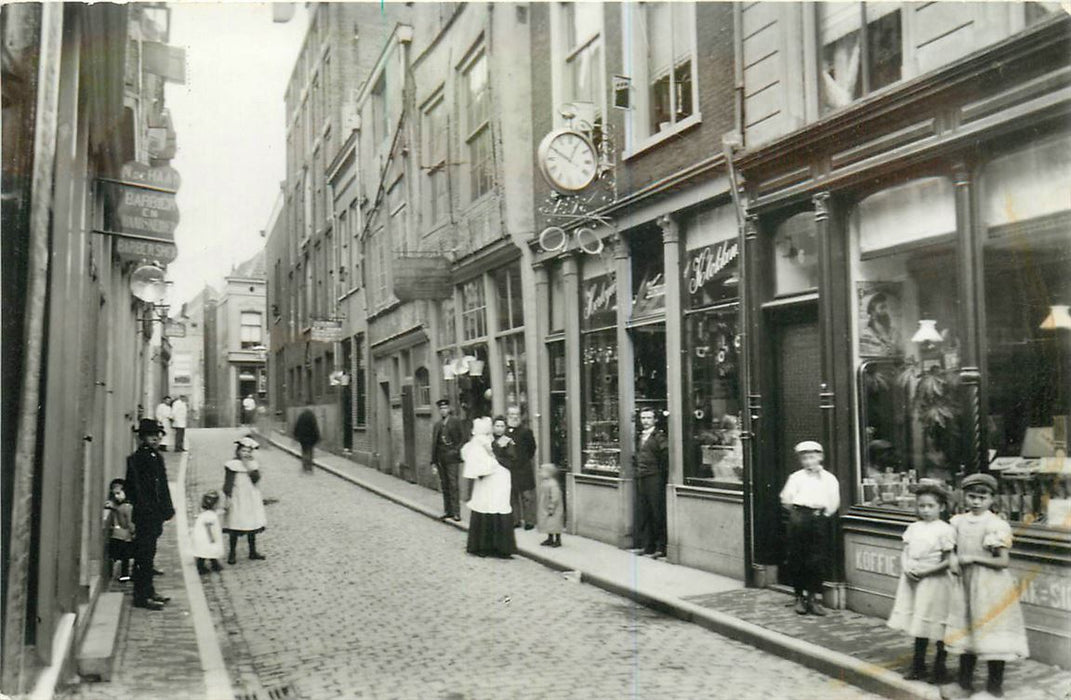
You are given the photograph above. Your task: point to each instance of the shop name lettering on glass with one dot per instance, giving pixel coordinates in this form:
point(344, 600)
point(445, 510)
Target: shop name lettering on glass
point(709, 266)
point(599, 298)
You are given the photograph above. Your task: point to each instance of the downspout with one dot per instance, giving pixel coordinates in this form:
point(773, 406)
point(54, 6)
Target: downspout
point(36, 296)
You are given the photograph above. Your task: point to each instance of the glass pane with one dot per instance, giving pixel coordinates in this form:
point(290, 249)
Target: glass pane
point(601, 437)
point(914, 211)
point(514, 363)
point(796, 255)
point(584, 21)
point(557, 300)
point(599, 302)
point(712, 369)
point(559, 418)
point(583, 74)
point(447, 322)
point(840, 75)
point(884, 45)
point(648, 274)
point(649, 349)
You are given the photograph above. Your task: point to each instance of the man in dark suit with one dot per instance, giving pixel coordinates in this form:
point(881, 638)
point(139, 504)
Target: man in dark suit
point(147, 491)
point(446, 440)
point(652, 473)
point(523, 486)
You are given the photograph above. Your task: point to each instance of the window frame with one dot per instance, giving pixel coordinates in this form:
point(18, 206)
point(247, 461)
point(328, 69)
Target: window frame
point(477, 135)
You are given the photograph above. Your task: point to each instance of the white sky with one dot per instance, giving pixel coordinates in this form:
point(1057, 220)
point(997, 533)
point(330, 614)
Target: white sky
point(229, 122)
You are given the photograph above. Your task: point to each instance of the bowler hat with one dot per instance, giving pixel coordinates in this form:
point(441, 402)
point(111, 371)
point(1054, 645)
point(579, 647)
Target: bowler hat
point(443, 402)
point(148, 426)
point(979, 479)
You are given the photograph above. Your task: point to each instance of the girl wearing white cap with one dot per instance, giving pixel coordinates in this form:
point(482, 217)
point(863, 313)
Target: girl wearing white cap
point(811, 496)
point(245, 506)
point(491, 519)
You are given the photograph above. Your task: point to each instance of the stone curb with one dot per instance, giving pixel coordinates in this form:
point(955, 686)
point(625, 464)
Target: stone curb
point(835, 664)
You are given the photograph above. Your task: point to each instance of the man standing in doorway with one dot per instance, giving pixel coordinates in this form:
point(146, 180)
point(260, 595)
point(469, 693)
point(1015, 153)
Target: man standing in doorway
point(522, 498)
point(249, 409)
point(652, 474)
point(178, 422)
point(148, 493)
point(446, 441)
point(163, 417)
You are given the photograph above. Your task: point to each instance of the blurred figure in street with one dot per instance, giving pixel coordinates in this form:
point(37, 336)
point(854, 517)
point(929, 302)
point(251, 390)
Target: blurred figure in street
point(178, 423)
point(148, 493)
point(811, 496)
point(307, 433)
point(491, 523)
point(551, 508)
point(523, 497)
point(119, 522)
point(245, 505)
point(249, 410)
point(652, 473)
point(207, 535)
point(163, 417)
point(447, 438)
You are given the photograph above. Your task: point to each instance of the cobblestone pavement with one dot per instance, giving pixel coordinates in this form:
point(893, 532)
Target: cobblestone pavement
point(362, 598)
point(157, 654)
point(868, 638)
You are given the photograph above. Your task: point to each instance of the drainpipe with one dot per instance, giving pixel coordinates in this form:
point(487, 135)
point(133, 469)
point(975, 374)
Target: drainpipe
point(36, 297)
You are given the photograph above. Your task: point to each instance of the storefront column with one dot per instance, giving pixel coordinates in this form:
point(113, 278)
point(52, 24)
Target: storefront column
point(674, 372)
point(626, 362)
point(751, 415)
point(539, 393)
point(494, 368)
point(826, 395)
point(571, 283)
point(969, 262)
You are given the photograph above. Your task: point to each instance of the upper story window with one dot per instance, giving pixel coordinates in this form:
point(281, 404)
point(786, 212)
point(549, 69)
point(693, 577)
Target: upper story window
point(473, 309)
point(660, 53)
point(510, 299)
point(434, 165)
point(583, 58)
point(860, 50)
point(251, 334)
point(380, 116)
point(477, 127)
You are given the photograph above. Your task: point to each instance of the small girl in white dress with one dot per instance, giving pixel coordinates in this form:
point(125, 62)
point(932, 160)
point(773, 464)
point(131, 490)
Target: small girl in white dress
point(245, 505)
point(985, 621)
point(921, 607)
point(207, 535)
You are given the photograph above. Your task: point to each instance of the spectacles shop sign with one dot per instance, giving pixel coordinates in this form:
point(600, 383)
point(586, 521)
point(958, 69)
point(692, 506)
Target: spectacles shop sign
point(711, 274)
point(140, 208)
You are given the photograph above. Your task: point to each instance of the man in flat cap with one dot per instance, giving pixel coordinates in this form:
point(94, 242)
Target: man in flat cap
point(148, 493)
point(446, 440)
point(811, 496)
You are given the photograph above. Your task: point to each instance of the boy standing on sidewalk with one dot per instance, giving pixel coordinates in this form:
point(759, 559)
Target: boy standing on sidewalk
point(811, 496)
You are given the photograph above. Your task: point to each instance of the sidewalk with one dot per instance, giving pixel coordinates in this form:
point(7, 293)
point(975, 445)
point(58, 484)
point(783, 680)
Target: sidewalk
point(854, 648)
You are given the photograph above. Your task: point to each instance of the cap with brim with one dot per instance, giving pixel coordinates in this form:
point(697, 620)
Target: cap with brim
point(809, 446)
point(985, 480)
point(442, 402)
point(247, 442)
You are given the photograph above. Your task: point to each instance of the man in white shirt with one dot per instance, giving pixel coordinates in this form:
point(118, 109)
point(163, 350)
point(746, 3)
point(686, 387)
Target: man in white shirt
point(163, 417)
point(178, 422)
point(811, 496)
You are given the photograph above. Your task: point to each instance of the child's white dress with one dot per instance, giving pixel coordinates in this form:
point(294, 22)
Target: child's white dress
point(985, 618)
point(921, 607)
point(245, 505)
point(203, 545)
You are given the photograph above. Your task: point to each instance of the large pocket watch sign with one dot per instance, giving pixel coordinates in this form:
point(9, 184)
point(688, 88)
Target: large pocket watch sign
point(711, 274)
point(568, 160)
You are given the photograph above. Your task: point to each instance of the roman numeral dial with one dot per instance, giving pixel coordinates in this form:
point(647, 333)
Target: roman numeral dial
point(568, 160)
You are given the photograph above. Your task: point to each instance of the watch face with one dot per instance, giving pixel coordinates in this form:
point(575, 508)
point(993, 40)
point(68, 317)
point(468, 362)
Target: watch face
point(568, 161)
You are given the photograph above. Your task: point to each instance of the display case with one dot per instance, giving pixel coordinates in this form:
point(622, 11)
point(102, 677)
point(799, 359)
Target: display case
point(601, 451)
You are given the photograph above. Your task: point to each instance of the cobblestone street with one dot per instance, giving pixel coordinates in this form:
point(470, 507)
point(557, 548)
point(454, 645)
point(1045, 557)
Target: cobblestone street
point(362, 598)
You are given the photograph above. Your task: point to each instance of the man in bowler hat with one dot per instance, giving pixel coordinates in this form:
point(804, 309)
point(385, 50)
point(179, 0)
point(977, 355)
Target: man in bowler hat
point(147, 491)
point(446, 440)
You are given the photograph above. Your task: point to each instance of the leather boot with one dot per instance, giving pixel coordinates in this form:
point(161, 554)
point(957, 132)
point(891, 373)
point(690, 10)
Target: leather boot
point(801, 604)
point(814, 606)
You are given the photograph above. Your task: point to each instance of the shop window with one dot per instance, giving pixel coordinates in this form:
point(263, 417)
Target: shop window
point(649, 352)
point(510, 303)
point(474, 381)
point(647, 253)
point(473, 309)
point(861, 50)
point(662, 44)
point(514, 362)
point(1027, 256)
point(559, 407)
point(598, 302)
point(795, 256)
point(906, 342)
point(713, 368)
point(422, 384)
point(600, 416)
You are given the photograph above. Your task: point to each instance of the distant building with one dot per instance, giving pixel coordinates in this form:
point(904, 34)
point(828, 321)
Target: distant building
point(234, 342)
point(186, 370)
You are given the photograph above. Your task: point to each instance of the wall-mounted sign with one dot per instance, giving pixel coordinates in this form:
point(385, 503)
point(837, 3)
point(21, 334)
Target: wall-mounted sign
point(140, 249)
point(326, 331)
point(599, 302)
point(711, 274)
point(140, 209)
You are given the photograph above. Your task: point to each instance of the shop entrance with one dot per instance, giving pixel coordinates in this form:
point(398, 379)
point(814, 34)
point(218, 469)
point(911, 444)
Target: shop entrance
point(384, 438)
point(794, 414)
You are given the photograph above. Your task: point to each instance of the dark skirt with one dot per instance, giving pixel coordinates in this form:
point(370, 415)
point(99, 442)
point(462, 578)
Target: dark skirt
point(491, 535)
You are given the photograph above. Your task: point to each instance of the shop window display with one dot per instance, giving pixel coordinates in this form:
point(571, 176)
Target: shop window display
point(1027, 341)
point(713, 365)
point(907, 340)
point(559, 411)
point(602, 442)
point(514, 359)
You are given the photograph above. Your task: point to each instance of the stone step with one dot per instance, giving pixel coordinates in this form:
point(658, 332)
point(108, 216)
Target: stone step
point(96, 656)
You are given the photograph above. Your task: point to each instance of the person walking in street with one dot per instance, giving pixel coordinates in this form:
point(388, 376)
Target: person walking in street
point(652, 474)
point(811, 496)
point(985, 620)
point(178, 423)
point(148, 493)
point(163, 417)
point(307, 433)
point(245, 505)
point(551, 508)
point(447, 438)
point(922, 595)
point(522, 498)
point(249, 410)
point(207, 535)
point(491, 523)
point(119, 522)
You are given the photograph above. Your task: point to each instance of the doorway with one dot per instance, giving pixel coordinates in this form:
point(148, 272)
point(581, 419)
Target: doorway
point(384, 438)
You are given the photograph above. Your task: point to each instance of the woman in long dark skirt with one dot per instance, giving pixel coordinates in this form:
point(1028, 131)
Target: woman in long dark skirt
point(491, 521)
